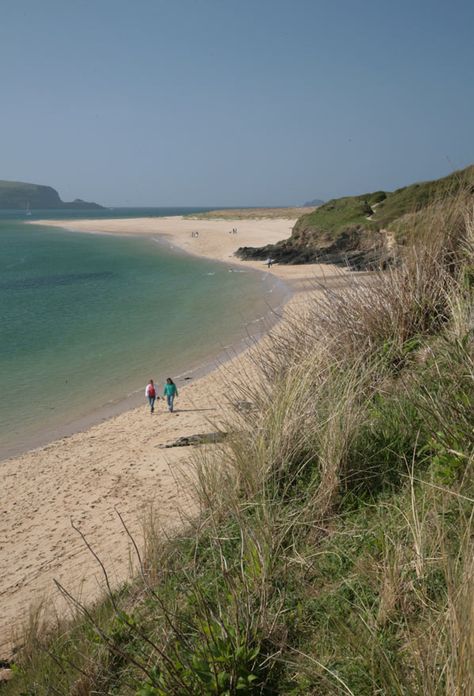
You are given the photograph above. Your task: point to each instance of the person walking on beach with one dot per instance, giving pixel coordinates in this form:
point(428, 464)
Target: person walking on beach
point(170, 392)
point(150, 393)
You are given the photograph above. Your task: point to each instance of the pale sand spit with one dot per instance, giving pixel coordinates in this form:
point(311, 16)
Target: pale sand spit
point(119, 463)
point(215, 239)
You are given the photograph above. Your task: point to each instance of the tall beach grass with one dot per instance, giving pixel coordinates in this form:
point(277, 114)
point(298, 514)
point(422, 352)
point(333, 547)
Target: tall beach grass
point(333, 549)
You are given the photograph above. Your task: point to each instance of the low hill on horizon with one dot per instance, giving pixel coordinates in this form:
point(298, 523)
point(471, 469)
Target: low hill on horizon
point(19, 195)
point(361, 231)
point(314, 202)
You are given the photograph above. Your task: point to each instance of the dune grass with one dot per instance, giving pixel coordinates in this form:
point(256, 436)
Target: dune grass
point(333, 551)
point(289, 213)
point(381, 209)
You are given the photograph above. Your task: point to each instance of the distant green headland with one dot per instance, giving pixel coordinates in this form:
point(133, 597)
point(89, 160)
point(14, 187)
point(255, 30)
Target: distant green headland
point(314, 202)
point(17, 195)
point(366, 230)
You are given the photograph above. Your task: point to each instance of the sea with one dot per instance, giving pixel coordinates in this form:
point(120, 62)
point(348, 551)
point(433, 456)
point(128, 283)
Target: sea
point(87, 319)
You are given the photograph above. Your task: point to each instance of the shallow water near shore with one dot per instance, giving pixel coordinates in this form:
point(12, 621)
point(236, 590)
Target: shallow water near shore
point(86, 320)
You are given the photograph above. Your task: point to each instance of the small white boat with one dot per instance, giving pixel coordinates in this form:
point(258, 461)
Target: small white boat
point(28, 211)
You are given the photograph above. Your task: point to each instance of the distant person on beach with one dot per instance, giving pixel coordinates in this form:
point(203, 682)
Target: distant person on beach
point(170, 392)
point(269, 262)
point(150, 393)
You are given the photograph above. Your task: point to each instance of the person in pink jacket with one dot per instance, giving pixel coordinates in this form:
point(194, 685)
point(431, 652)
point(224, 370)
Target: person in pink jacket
point(150, 393)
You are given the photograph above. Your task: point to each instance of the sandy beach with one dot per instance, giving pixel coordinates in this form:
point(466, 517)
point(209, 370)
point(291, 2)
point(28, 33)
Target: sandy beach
point(214, 241)
point(120, 463)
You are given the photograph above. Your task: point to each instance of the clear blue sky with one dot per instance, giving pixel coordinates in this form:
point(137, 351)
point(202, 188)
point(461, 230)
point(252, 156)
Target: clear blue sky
point(234, 102)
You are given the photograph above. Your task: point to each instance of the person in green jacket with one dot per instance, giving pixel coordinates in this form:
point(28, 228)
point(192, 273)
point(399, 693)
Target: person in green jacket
point(170, 392)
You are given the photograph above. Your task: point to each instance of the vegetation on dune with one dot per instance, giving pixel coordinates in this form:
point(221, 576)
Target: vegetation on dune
point(251, 213)
point(358, 229)
point(340, 213)
point(417, 196)
point(333, 552)
point(384, 207)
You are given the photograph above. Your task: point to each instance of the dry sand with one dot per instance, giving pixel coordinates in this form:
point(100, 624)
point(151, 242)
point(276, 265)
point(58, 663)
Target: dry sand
point(118, 463)
point(215, 238)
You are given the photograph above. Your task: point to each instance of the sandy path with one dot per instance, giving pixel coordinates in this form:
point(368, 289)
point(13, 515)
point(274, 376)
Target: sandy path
point(117, 463)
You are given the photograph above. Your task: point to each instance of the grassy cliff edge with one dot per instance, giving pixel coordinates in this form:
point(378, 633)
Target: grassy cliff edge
point(363, 231)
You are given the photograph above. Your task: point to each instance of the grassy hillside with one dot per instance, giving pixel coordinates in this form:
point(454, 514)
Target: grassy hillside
point(333, 552)
point(358, 229)
point(17, 195)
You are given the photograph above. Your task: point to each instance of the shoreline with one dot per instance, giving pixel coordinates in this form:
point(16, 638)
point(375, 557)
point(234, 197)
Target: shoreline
point(174, 239)
point(248, 334)
point(213, 361)
point(214, 240)
point(116, 463)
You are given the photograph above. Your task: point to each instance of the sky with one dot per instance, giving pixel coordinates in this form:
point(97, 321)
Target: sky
point(228, 103)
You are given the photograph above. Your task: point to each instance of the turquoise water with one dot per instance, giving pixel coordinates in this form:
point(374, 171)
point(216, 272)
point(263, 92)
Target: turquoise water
point(86, 320)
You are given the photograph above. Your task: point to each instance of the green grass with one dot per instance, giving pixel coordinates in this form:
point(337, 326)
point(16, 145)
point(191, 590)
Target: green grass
point(417, 196)
point(368, 230)
point(333, 552)
point(340, 214)
point(337, 215)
